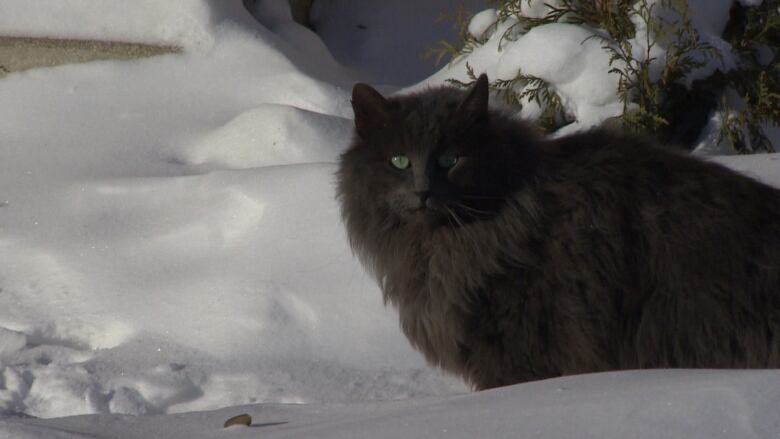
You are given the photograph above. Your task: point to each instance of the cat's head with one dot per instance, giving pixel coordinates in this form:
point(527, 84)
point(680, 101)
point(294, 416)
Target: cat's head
point(436, 157)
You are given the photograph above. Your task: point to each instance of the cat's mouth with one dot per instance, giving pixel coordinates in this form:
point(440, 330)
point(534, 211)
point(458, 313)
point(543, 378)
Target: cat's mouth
point(433, 209)
point(434, 204)
point(454, 212)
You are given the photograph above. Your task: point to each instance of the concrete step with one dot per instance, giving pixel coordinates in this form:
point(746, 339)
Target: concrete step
point(22, 53)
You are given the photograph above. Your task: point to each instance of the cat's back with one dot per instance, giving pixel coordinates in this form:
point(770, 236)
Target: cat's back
point(610, 162)
point(680, 242)
point(655, 196)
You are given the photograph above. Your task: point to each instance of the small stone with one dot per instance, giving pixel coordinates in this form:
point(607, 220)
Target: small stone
point(243, 419)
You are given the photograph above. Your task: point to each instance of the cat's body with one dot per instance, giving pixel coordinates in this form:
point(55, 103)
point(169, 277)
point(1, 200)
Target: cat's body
point(524, 259)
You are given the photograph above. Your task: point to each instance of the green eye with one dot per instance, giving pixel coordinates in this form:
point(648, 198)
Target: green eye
point(400, 161)
point(447, 161)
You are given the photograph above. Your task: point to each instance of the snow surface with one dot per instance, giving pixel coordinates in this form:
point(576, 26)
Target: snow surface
point(170, 243)
point(170, 240)
point(577, 66)
point(650, 404)
point(481, 21)
point(561, 54)
point(708, 17)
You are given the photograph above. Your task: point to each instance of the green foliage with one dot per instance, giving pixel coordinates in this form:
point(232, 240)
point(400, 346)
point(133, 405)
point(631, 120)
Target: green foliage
point(657, 96)
point(744, 128)
point(651, 101)
point(526, 88)
point(754, 34)
point(611, 15)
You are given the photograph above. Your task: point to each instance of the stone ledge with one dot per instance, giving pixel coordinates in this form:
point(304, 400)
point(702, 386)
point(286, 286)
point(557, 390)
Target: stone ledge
point(22, 53)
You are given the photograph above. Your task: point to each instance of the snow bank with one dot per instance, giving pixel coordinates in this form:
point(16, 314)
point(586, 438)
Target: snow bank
point(647, 404)
point(269, 135)
point(170, 239)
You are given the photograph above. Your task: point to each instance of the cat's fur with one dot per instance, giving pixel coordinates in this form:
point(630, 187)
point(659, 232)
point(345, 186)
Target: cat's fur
point(535, 258)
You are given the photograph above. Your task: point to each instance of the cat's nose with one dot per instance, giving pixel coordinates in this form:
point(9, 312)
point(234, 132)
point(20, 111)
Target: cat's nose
point(423, 196)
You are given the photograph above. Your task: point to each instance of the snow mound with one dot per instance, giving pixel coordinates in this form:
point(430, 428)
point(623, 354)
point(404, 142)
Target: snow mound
point(574, 63)
point(481, 22)
point(195, 292)
point(155, 257)
point(563, 55)
point(11, 341)
point(271, 135)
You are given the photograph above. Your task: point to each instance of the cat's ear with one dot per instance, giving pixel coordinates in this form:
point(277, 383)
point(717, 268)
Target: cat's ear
point(475, 106)
point(372, 110)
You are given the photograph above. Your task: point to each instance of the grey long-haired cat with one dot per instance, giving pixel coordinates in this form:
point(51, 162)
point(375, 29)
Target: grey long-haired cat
point(512, 258)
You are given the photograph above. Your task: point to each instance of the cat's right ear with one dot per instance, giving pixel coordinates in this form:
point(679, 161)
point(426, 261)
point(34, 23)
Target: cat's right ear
point(475, 106)
point(372, 110)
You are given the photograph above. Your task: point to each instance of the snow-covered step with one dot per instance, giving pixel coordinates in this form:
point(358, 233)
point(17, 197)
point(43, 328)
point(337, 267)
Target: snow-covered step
point(23, 53)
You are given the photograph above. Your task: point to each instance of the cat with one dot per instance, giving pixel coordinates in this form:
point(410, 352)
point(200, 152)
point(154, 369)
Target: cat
point(511, 257)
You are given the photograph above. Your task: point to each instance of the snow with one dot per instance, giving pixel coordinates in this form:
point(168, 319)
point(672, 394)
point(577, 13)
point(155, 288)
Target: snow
point(569, 59)
point(563, 55)
point(481, 22)
point(708, 18)
point(171, 252)
point(537, 8)
point(647, 404)
point(171, 242)
point(271, 134)
point(710, 140)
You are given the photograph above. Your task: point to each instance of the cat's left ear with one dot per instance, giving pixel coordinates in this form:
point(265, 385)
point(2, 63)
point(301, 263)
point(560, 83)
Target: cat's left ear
point(475, 105)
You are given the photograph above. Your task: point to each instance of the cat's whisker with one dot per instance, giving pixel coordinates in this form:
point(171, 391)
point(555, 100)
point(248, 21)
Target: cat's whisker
point(472, 209)
point(453, 215)
point(480, 197)
point(463, 236)
point(465, 239)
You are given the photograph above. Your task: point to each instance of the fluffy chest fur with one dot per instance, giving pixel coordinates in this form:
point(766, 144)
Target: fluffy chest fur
point(441, 280)
point(437, 305)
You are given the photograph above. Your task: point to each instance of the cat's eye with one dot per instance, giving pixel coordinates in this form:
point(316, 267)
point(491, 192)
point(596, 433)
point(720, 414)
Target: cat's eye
point(447, 161)
point(400, 161)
